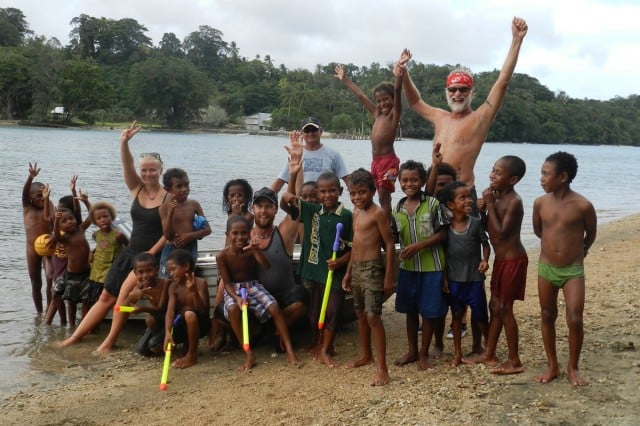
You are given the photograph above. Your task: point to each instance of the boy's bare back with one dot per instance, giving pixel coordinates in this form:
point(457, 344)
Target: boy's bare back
point(565, 224)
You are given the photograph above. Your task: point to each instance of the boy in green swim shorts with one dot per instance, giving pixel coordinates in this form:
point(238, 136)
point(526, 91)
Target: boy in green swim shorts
point(559, 275)
point(565, 222)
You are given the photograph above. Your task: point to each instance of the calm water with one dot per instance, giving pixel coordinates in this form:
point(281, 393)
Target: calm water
point(210, 161)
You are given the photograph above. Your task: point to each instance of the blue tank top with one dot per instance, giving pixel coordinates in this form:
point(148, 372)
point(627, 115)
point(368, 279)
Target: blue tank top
point(146, 226)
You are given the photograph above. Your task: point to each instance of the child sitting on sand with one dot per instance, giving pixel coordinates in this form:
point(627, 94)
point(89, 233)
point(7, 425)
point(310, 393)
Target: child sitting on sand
point(237, 264)
point(149, 296)
point(188, 297)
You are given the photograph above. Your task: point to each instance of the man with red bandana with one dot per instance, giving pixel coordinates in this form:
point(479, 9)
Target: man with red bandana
point(462, 131)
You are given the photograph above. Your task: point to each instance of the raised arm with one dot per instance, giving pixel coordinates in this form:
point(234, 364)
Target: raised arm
point(131, 178)
point(432, 179)
point(48, 205)
point(397, 100)
point(26, 191)
point(340, 75)
point(411, 92)
point(295, 150)
point(496, 95)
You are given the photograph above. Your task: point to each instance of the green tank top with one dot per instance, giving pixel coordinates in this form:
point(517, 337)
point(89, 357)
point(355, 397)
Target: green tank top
point(107, 248)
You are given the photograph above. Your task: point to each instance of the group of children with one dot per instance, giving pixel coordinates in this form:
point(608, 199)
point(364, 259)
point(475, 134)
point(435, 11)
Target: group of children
point(444, 255)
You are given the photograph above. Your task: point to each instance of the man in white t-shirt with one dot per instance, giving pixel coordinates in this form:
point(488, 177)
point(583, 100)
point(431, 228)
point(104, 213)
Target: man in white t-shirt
point(316, 158)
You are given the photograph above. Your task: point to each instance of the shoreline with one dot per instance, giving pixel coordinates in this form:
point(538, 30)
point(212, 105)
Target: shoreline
point(123, 388)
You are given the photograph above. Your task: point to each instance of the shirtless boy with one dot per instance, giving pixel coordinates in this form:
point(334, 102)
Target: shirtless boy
point(370, 276)
point(238, 264)
point(188, 297)
point(504, 213)
point(386, 114)
point(36, 224)
point(463, 130)
point(149, 296)
point(75, 285)
point(179, 216)
point(566, 223)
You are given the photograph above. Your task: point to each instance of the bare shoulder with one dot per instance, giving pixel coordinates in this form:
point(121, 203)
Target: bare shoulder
point(583, 202)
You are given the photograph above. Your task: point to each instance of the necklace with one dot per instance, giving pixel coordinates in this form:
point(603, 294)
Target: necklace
point(262, 236)
point(151, 197)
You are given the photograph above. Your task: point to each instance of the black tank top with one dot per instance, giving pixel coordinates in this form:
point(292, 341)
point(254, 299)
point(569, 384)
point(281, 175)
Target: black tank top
point(279, 278)
point(146, 226)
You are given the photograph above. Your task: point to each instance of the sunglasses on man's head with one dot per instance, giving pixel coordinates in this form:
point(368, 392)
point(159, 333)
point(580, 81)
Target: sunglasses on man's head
point(150, 155)
point(462, 89)
point(310, 129)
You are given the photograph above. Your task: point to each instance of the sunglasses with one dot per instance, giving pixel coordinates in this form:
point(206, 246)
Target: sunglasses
point(310, 129)
point(462, 89)
point(151, 155)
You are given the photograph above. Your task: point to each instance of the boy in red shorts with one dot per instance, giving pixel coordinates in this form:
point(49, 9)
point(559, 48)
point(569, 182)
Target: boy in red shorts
point(504, 213)
point(386, 109)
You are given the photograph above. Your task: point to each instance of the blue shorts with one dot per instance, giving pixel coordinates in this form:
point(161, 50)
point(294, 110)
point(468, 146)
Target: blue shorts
point(258, 298)
point(472, 294)
point(420, 292)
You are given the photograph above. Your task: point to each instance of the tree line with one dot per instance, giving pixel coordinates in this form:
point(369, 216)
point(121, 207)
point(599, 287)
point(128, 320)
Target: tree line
point(111, 71)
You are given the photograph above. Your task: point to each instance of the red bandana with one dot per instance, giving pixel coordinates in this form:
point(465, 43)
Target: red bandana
point(460, 77)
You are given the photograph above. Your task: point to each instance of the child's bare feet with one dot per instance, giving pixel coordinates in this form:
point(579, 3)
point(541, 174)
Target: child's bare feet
point(249, 362)
point(456, 361)
point(424, 363)
point(186, 361)
point(547, 375)
point(292, 358)
point(480, 359)
point(104, 348)
point(575, 378)
point(478, 350)
point(437, 351)
point(325, 358)
point(408, 358)
point(508, 367)
point(364, 360)
point(381, 378)
point(71, 340)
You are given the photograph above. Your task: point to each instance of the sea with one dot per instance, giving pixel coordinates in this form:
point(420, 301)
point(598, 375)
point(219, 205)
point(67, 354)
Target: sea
point(605, 176)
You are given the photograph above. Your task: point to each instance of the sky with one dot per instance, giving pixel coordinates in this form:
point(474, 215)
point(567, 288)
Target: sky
point(583, 48)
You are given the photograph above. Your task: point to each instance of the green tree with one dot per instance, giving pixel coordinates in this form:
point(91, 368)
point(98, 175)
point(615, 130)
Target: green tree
point(206, 49)
point(47, 62)
point(13, 27)
point(84, 89)
point(15, 90)
point(171, 89)
point(109, 41)
point(170, 45)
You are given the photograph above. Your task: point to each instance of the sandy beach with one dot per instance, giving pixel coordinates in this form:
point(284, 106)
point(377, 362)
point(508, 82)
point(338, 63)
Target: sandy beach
point(122, 388)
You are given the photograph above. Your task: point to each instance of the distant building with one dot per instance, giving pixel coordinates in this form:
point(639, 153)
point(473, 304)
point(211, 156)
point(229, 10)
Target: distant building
point(59, 113)
point(259, 121)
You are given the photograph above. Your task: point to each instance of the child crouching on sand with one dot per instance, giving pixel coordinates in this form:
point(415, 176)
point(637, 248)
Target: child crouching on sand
point(189, 297)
